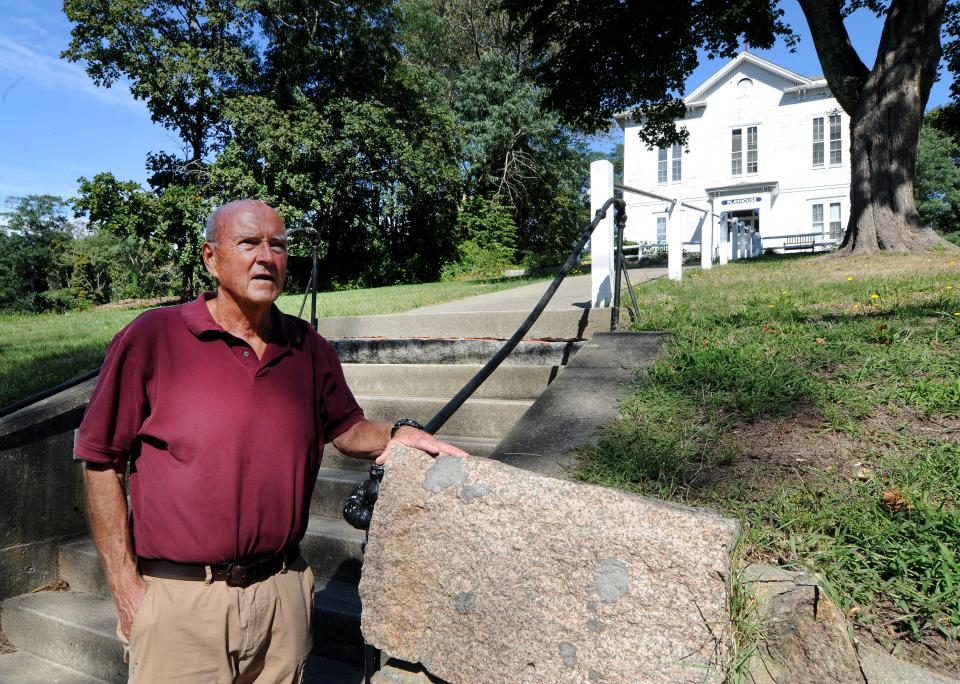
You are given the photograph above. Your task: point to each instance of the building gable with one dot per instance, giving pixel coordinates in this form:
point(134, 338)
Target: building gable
point(748, 65)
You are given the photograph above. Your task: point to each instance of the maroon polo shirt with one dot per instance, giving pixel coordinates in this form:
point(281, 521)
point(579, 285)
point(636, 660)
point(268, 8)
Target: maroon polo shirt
point(225, 446)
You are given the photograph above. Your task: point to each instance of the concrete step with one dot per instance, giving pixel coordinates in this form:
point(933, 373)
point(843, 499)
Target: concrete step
point(444, 380)
point(491, 418)
point(333, 549)
point(70, 628)
point(476, 446)
point(69, 637)
point(450, 351)
point(336, 626)
point(80, 567)
point(557, 324)
point(334, 485)
point(25, 668)
point(326, 671)
point(330, 544)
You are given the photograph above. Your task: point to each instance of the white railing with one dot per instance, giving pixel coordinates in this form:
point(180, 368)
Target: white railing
point(722, 239)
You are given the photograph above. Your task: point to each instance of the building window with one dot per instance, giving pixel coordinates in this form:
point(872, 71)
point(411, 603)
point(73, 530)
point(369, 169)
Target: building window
point(677, 161)
point(818, 141)
point(836, 232)
point(675, 166)
point(836, 155)
point(661, 229)
point(736, 151)
point(816, 220)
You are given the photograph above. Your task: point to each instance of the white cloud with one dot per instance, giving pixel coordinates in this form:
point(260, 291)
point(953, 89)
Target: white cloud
point(17, 60)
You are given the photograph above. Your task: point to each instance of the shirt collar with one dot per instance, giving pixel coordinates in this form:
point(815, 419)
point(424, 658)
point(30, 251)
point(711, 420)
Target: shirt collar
point(199, 321)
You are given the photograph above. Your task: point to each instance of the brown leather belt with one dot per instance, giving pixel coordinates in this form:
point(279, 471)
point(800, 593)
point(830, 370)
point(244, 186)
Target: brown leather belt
point(240, 573)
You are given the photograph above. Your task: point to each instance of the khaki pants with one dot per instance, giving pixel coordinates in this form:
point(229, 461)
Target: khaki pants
point(194, 632)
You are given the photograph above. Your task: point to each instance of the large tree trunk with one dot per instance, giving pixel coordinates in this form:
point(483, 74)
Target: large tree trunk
point(886, 112)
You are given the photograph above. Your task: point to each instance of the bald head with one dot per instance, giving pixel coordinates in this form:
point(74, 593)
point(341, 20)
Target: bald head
point(225, 213)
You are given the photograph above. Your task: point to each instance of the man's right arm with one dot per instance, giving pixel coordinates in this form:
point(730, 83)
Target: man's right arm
point(107, 510)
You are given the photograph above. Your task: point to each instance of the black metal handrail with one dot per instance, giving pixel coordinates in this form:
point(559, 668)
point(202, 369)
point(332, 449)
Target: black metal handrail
point(468, 389)
point(358, 508)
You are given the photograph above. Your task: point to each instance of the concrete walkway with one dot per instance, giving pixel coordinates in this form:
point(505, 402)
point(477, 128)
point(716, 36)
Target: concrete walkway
point(574, 291)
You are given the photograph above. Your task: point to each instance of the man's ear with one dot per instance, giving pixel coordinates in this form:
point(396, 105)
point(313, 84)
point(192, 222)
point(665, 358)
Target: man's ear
point(209, 259)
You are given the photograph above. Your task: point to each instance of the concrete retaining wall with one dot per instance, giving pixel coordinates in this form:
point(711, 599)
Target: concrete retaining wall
point(41, 489)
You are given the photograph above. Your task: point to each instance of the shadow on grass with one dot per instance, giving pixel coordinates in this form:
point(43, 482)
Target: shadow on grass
point(46, 370)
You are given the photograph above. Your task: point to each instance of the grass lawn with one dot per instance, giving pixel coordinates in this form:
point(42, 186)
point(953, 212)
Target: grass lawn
point(817, 400)
point(43, 350)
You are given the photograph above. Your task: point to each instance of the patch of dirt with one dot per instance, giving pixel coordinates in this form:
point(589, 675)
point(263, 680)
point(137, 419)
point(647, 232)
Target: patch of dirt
point(57, 584)
point(137, 303)
point(784, 451)
point(936, 653)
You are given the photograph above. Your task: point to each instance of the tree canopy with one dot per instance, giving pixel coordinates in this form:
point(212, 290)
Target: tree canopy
point(597, 57)
point(374, 123)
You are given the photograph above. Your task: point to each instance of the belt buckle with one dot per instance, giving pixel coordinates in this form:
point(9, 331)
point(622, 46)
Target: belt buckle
point(237, 575)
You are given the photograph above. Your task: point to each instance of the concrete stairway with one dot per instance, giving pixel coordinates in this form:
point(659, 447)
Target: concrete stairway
point(410, 371)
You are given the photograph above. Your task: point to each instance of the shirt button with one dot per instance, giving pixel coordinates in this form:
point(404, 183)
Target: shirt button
point(246, 354)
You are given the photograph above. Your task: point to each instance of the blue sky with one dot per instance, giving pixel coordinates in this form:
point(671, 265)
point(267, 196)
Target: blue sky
point(56, 126)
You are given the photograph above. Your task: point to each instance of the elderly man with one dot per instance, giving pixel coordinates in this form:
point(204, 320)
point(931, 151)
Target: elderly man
point(223, 406)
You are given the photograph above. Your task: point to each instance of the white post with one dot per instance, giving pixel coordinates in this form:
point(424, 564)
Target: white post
point(675, 241)
point(601, 241)
point(724, 243)
point(735, 242)
point(706, 242)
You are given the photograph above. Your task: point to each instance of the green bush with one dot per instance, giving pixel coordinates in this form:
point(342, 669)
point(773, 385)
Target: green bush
point(59, 300)
point(489, 240)
point(81, 281)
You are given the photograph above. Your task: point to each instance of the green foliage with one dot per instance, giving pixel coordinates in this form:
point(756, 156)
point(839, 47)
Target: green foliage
point(377, 182)
point(516, 150)
point(81, 281)
point(183, 58)
point(937, 188)
point(597, 59)
point(34, 242)
point(489, 240)
point(147, 241)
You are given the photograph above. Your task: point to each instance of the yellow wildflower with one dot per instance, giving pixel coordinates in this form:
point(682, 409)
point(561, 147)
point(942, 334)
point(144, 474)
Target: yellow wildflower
point(849, 278)
point(874, 295)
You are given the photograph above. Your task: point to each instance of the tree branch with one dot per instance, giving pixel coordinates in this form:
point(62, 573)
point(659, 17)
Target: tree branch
point(844, 70)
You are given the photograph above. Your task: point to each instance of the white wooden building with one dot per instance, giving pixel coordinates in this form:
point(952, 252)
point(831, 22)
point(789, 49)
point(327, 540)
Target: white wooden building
point(767, 147)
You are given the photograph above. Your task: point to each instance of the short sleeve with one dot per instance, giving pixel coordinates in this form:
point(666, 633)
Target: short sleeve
point(118, 406)
point(338, 409)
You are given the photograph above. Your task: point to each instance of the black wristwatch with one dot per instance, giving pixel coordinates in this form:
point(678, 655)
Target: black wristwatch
point(404, 422)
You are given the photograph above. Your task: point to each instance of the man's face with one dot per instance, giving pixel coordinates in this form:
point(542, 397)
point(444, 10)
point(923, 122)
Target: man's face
point(249, 258)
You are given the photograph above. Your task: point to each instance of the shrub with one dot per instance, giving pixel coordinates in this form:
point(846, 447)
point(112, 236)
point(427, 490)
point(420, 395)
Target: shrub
point(489, 240)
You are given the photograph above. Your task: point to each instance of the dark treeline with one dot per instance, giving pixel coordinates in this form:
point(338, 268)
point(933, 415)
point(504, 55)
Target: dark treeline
point(409, 134)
